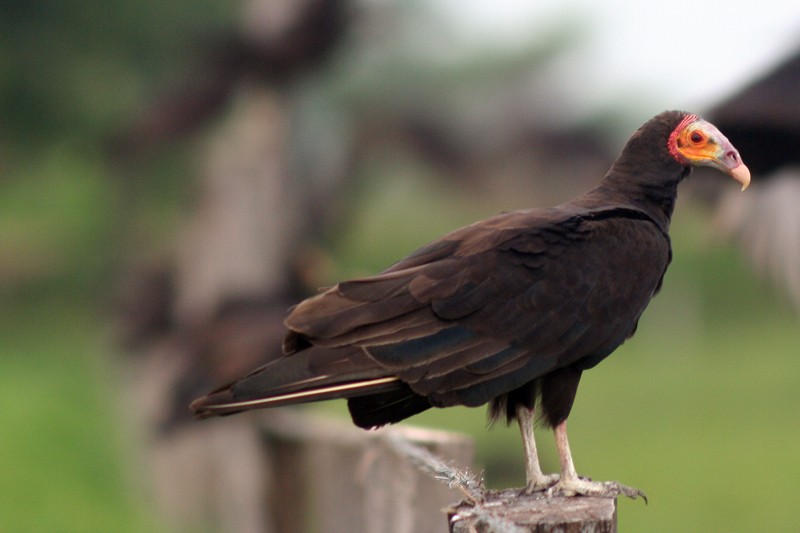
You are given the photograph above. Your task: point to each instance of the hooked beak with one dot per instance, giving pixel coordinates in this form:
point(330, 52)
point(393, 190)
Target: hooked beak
point(741, 174)
point(726, 159)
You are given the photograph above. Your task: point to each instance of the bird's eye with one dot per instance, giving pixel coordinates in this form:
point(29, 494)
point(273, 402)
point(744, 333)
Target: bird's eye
point(696, 137)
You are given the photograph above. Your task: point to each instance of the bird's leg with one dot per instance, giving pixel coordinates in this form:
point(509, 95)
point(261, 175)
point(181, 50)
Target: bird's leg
point(536, 480)
point(570, 484)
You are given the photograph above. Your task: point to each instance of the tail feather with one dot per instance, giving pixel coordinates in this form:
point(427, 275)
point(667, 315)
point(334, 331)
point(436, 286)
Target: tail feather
point(290, 381)
point(224, 402)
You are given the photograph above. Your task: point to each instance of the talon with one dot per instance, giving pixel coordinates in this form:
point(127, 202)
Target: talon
point(602, 489)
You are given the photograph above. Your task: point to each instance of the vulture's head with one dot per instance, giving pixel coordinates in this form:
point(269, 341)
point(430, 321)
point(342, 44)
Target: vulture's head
point(695, 141)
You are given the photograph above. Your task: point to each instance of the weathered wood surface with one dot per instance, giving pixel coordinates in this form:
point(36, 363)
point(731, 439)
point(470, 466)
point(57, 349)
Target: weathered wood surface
point(508, 511)
point(328, 476)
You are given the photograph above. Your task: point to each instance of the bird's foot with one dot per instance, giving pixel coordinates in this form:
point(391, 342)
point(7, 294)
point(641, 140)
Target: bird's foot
point(587, 487)
point(541, 483)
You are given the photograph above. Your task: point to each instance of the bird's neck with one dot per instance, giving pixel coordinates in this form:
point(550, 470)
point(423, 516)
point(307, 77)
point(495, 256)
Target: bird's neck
point(656, 197)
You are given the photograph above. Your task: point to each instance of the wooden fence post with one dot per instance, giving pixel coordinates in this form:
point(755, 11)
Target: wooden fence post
point(509, 512)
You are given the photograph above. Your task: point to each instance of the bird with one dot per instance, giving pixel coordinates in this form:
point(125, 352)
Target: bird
point(509, 311)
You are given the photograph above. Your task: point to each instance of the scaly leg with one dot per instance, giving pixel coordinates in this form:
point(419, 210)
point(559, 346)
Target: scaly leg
point(570, 484)
point(536, 480)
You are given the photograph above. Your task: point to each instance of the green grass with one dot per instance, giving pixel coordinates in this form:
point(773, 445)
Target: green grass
point(64, 463)
point(698, 410)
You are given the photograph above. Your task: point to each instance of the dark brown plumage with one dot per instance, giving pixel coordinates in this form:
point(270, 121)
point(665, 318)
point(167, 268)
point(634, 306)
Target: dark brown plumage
point(508, 311)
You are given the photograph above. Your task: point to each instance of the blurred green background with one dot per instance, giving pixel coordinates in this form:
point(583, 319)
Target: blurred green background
point(699, 409)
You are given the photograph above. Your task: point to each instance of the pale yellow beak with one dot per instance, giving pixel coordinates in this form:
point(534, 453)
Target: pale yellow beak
point(741, 174)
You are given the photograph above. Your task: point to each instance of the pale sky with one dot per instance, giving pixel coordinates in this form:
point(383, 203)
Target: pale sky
point(679, 54)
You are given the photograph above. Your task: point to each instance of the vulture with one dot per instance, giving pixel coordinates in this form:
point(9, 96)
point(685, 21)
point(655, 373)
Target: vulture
point(507, 312)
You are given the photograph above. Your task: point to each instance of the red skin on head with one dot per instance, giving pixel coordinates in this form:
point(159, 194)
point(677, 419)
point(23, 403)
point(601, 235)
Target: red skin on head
point(672, 144)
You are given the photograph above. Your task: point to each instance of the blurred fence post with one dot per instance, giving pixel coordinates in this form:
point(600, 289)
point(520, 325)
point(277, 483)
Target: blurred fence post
point(328, 476)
